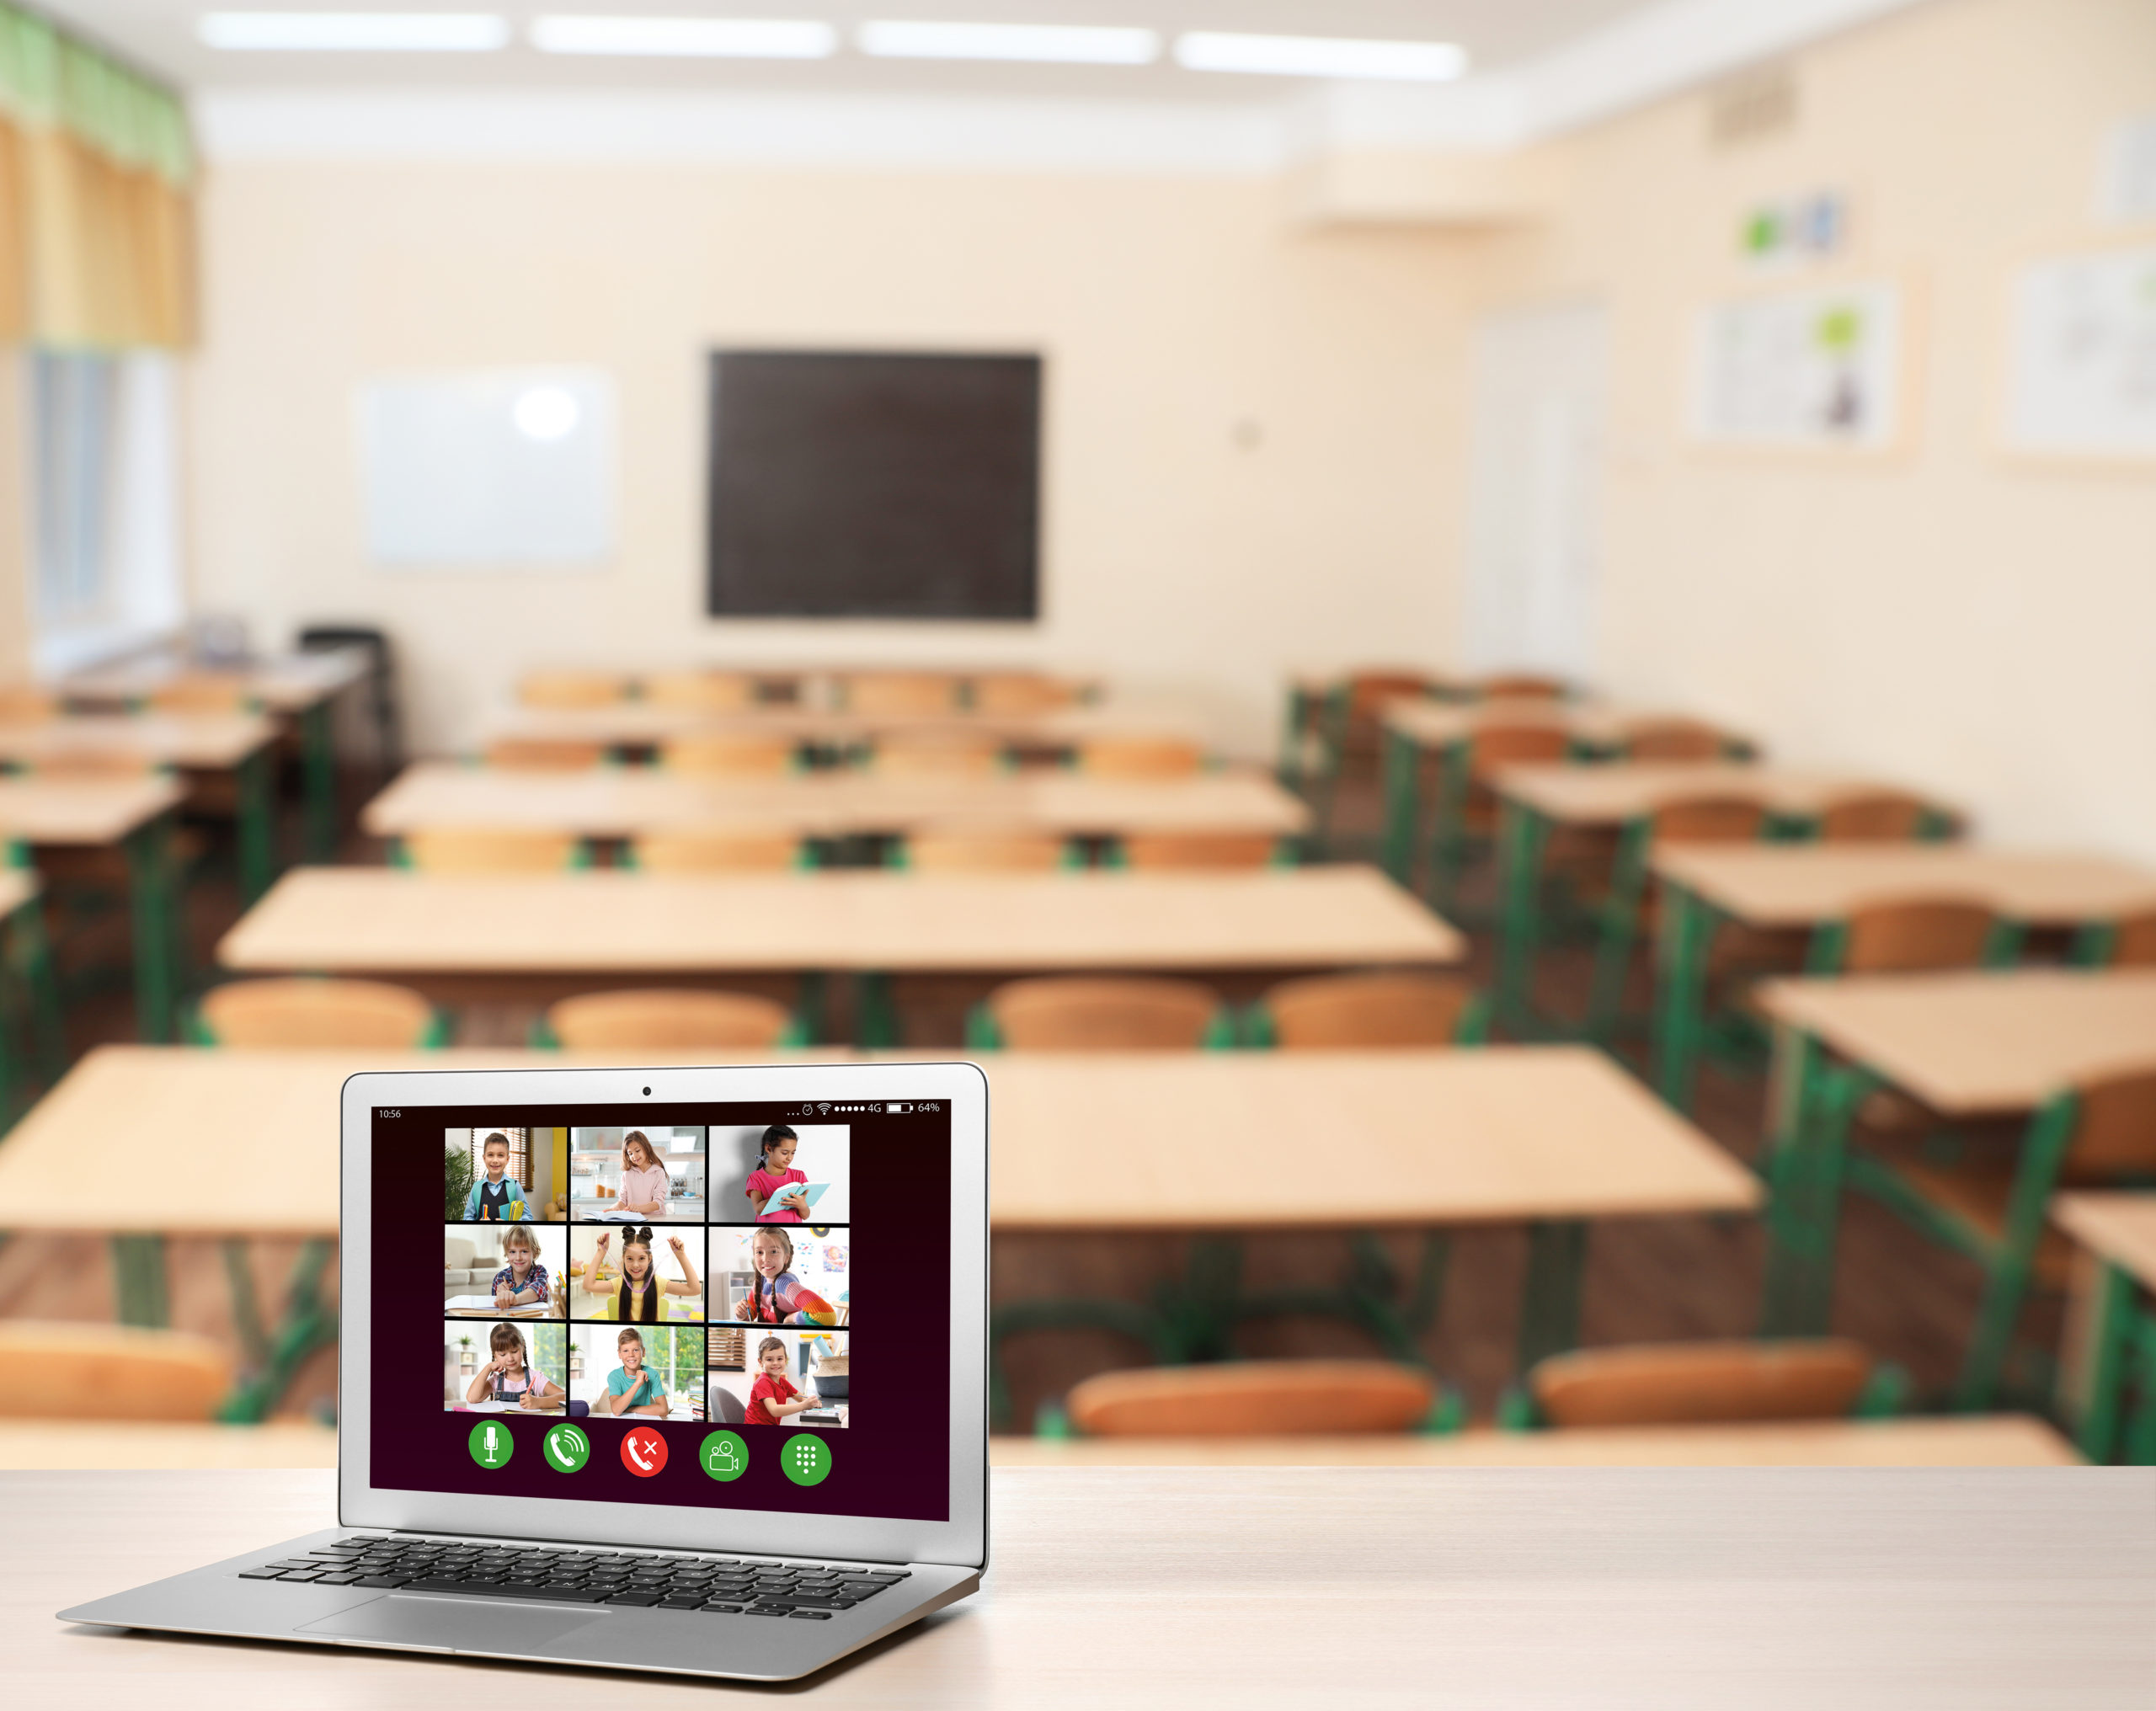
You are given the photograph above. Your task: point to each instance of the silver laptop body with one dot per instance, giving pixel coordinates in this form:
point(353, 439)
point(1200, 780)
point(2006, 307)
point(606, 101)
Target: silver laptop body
point(781, 1586)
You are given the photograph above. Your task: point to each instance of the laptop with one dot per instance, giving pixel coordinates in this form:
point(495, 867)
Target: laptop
point(661, 1469)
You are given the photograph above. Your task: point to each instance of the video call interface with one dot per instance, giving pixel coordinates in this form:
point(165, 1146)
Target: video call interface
point(656, 1305)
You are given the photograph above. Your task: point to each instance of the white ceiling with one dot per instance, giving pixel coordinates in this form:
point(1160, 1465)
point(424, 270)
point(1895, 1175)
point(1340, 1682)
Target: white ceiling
point(159, 34)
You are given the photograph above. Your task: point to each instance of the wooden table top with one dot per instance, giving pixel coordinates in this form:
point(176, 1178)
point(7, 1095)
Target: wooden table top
point(622, 801)
point(1435, 724)
point(163, 1443)
point(2119, 1227)
point(206, 741)
point(351, 920)
point(1678, 1589)
point(81, 810)
point(1995, 1039)
point(643, 723)
point(1792, 885)
point(1968, 1441)
point(284, 683)
point(1623, 790)
point(16, 887)
point(1235, 1140)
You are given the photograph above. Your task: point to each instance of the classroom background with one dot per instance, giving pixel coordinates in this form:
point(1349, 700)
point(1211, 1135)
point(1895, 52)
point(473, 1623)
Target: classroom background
point(1493, 659)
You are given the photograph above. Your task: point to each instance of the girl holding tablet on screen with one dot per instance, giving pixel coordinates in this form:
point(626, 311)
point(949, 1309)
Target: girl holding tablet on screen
point(769, 1182)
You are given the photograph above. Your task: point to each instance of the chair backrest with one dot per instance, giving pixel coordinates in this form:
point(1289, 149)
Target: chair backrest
point(1674, 739)
point(1086, 1013)
point(729, 754)
point(2133, 942)
point(22, 703)
point(1198, 849)
point(717, 850)
point(1521, 686)
point(705, 691)
point(572, 688)
point(292, 1013)
point(2114, 1128)
point(1685, 1384)
point(901, 692)
point(1007, 692)
point(963, 849)
point(1492, 746)
point(545, 754)
point(489, 849)
point(1909, 936)
point(1139, 757)
point(667, 1020)
point(937, 753)
point(1368, 691)
point(1709, 819)
point(79, 1371)
point(1873, 817)
point(203, 692)
point(1253, 1399)
point(1343, 1011)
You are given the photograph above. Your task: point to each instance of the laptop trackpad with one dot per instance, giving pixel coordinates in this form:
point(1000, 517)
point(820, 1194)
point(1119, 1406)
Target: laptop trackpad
point(458, 1624)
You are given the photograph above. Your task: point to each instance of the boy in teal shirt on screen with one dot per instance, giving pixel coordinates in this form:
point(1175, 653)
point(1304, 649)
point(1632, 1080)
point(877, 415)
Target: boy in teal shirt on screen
point(630, 1388)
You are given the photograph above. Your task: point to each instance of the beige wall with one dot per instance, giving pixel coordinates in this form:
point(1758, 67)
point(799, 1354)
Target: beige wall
point(1954, 618)
point(1169, 310)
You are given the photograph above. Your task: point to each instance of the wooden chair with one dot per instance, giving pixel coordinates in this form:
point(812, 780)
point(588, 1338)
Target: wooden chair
point(572, 688)
point(80, 1371)
point(1521, 686)
point(204, 693)
point(490, 850)
point(670, 1021)
point(936, 754)
point(1875, 816)
point(302, 1014)
point(1166, 850)
point(900, 692)
point(1335, 1012)
point(545, 754)
point(1088, 1013)
point(1008, 693)
point(1674, 739)
point(1993, 1209)
point(1912, 936)
point(27, 703)
point(1700, 1383)
point(729, 754)
point(1491, 747)
point(1139, 757)
point(962, 850)
point(1253, 1399)
point(1708, 819)
point(703, 691)
point(2133, 942)
point(716, 849)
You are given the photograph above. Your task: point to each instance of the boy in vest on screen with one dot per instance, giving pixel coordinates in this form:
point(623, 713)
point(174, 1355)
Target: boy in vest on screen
point(497, 1198)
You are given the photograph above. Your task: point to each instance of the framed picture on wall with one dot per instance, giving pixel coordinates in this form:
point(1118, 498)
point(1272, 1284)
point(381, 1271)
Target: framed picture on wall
point(1816, 367)
point(2081, 356)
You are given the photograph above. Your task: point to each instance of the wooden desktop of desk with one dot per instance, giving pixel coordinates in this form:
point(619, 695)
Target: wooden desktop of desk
point(284, 683)
point(639, 724)
point(2110, 1307)
point(1980, 1590)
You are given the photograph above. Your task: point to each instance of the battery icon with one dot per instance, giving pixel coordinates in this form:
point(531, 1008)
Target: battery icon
point(897, 1107)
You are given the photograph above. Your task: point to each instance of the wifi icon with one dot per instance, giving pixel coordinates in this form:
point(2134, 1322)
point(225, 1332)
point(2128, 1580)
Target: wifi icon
point(824, 1107)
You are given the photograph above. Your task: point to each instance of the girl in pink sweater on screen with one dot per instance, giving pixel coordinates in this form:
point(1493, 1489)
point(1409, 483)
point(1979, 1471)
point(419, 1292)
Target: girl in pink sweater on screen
point(769, 1181)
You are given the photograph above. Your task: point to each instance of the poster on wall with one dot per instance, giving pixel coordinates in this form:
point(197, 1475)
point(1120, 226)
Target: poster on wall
point(2081, 378)
point(1815, 369)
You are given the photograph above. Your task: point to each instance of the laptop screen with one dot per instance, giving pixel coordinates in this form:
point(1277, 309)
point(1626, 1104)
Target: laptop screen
point(655, 1304)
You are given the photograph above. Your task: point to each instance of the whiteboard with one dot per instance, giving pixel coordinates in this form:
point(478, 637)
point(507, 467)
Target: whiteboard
point(488, 468)
point(1818, 368)
point(2082, 380)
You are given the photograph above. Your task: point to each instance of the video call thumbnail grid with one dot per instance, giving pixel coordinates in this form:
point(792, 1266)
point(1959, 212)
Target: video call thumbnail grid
point(672, 1272)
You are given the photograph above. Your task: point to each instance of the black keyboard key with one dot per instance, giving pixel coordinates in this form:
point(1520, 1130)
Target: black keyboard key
point(261, 1574)
point(296, 1563)
point(764, 1610)
point(681, 1601)
point(343, 1577)
point(813, 1615)
point(642, 1599)
point(804, 1601)
point(556, 1595)
point(724, 1609)
point(385, 1582)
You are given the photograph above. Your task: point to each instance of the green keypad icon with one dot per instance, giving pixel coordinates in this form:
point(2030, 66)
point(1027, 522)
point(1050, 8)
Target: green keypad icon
point(724, 1456)
point(567, 1448)
point(806, 1459)
point(491, 1446)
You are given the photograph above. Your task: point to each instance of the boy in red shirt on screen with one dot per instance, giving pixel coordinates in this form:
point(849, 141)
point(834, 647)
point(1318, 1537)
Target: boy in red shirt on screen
point(773, 1396)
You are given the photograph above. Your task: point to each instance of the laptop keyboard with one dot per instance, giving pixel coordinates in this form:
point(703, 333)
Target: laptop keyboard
point(725, 1585)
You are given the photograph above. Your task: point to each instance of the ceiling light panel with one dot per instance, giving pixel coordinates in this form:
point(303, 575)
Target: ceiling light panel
point(687, 38)
point(353, 32)
point(1045, 43)
point(1321, 56)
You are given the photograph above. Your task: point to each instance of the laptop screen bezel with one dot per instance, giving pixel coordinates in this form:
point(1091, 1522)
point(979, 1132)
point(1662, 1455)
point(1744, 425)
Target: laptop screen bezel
point(962, 1540)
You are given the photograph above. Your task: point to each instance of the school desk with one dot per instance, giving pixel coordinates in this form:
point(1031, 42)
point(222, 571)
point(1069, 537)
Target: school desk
point(134, 815)
point(1814, 887)
point(1984, 1044)
point(1261, 1589)
point(1963, 1441)
point(457, 937)
point(29, 993)
point(1618, 797)
point(237, 743)
point(615, 802)
point(1419, 728)
point(2110, 1336)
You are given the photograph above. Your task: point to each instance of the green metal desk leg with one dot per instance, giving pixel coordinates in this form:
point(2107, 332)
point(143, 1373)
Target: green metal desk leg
point(319, 769)
point(1449, 841)
point(139, 1281)
point(1687, 929)
point(1403, 805)
point(2097, 1412)
point(2140, 1446)
point(14, 1004)
point(41, 982)
point(1794, 1085)
point(875, 1013)
point(258, 844)
point(305, 1326)
point(1620, 928)
point(156, 928)
point(1294, 740)
point(1521, 834)
point(1549, 1304)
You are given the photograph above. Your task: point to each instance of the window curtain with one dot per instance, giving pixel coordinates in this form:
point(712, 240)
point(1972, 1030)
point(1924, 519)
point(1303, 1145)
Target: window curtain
point(96, 214)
